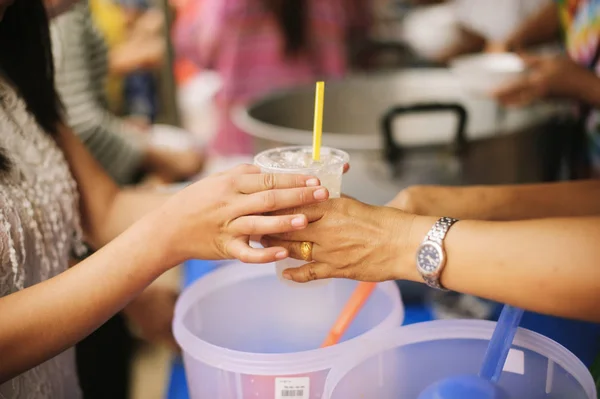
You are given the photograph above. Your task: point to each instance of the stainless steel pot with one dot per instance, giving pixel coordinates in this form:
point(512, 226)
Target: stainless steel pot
point(409, 127)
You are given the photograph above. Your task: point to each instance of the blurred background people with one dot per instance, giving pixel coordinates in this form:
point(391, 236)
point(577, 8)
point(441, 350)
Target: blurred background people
point(458, 27)
point(573, 77)
point(483, 22)
point(259, 46)
point(129, 28)
point(82, 64)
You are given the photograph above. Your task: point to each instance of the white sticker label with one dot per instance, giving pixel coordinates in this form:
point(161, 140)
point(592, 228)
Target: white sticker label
point(292, 388)
point(515, 362)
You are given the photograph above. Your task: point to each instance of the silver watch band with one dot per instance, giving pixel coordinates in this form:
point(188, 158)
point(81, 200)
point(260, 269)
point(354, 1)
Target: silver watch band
point(434, 283)
point(440, 229)
point(437, 234)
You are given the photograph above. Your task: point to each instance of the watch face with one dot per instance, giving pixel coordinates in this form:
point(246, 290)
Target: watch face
point(429, 257)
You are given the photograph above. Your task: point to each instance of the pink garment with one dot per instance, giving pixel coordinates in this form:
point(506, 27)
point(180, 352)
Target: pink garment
point(242, 41)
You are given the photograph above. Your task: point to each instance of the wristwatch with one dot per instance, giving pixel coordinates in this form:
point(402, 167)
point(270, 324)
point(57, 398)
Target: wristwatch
point(431, 257)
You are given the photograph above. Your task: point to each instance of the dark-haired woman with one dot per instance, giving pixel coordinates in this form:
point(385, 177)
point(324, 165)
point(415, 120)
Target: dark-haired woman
point(53, 195)
point(258, 46)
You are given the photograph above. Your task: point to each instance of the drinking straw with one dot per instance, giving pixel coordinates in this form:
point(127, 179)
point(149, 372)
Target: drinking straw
point(359, 297)
point(318, 126)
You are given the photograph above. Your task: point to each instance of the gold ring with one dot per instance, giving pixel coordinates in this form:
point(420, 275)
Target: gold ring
point(306, 250)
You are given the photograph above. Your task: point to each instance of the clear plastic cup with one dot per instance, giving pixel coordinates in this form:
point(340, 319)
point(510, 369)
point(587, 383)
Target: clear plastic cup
point(298, 160)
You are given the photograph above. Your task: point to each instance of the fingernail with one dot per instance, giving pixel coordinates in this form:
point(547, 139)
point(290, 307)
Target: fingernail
point(312, 182)
point(298, 221)
point(281, 255)
point(320, 194)
point(286, 276)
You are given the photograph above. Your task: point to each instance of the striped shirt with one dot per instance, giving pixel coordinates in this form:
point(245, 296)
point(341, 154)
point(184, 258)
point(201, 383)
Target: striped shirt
point(81, 58)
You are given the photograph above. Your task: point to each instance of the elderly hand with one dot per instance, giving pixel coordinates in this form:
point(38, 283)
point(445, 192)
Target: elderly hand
point(549, 76)
point(350, 240)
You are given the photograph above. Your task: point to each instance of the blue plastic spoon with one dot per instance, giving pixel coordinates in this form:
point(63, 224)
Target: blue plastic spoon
point(485, 385)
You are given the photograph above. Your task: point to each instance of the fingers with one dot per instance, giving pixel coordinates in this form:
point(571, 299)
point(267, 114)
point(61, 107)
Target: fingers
point(309, 272)
point(274, 200)
point(291, 242)
point(241, 250)
point(517, 93)
point(312, 212)
point(519, 98)
point(531, 61)
point(261, 225)
point(346, 168)
point(254, 183)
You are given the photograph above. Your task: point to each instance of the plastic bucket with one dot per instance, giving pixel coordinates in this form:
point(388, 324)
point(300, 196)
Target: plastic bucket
point(245, 335)
point(401, 363)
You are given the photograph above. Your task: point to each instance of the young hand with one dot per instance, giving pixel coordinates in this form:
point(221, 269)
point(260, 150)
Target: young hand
point(215, 217)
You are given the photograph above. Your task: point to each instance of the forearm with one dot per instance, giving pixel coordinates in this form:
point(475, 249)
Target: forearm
point(136, 54)
point(542, 27)
point(537, 201)
point(547, 266)
point(77, 301)
point(120, 153)
point(503, 203)
point(126, 208)
point(469, 42)
point(107, 210)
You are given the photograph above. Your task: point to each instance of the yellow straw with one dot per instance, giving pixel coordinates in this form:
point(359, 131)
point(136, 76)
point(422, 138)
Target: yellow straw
point(318, 127)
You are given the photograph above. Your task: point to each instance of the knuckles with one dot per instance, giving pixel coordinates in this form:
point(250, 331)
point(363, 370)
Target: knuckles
point(269, 200)
point(269, 181)
point(245, 168)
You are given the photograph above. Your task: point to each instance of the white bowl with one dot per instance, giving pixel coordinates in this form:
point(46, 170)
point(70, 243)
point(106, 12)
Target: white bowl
point(430, 30)
point(484, 73)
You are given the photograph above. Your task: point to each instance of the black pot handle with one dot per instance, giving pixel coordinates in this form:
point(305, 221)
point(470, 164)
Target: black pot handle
point(393, 152)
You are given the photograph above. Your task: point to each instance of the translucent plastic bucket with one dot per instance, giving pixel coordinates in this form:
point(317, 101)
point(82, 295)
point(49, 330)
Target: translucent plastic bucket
point(245, 335)
point(401, 363)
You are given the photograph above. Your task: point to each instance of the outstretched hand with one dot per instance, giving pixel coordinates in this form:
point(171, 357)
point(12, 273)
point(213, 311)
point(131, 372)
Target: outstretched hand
point(215, 217)
point(350, 240)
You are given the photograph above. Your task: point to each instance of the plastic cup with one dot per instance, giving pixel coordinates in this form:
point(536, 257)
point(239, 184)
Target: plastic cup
point(298, 160)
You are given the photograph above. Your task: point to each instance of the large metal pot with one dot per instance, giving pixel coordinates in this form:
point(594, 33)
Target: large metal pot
point(410, 127)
